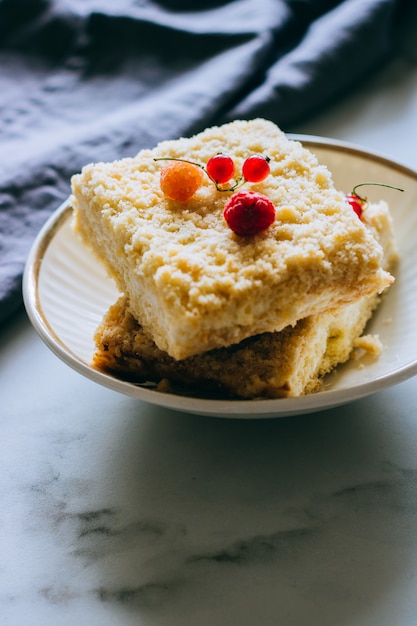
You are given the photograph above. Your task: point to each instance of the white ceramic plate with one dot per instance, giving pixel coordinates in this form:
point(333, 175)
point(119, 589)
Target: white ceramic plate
point(66, 293)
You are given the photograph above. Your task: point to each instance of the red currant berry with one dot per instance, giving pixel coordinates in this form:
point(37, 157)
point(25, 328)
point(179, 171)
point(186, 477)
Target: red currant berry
point(249, 212)
point(256, 168)
point(356, 203)
point(220, 168)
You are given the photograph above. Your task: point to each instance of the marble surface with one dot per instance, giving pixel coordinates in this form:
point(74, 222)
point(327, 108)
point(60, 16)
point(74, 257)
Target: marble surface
point(115, 512)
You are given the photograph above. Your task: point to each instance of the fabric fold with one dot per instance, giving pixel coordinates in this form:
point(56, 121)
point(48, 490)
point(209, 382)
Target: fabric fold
point(95, 81)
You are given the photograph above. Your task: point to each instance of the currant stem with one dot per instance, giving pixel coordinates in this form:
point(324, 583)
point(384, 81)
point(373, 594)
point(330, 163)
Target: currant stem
point(182, 161)
point(239, 182)
point(374, 184)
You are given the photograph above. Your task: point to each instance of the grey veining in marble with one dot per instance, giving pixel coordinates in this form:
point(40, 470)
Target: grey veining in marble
point(117, 513)
point(125, 515)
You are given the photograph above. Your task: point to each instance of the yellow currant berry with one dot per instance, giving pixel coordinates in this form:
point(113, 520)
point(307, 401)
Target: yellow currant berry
point(179, 180)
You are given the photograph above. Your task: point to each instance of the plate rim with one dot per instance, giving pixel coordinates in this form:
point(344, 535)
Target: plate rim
point(257, 408)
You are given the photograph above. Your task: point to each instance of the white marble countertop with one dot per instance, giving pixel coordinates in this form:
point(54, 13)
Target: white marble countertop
point(115, 512)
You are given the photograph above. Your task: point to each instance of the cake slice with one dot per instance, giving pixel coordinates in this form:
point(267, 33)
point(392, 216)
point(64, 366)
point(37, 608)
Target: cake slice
point(289, 363)
point(191, 282)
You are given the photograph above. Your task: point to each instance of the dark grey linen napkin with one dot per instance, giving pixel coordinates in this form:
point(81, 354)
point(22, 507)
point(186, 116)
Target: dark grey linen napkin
point(96, 80)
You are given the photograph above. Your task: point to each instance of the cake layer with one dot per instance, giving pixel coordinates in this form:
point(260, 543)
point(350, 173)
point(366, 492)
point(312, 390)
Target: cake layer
point(194, 285)
point(289, 363)
point(271, 365)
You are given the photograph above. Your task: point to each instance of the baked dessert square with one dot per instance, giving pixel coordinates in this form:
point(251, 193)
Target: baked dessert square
point(288, 363)
point(193, 284)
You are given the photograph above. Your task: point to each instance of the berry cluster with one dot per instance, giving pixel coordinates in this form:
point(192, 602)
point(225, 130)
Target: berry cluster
point(358, 203)
point(181, 178)
point(246, 212)
point(221, 169)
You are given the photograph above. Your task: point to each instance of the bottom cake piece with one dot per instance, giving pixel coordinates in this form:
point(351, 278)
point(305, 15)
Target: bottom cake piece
point(289, 363)
point(272, 365)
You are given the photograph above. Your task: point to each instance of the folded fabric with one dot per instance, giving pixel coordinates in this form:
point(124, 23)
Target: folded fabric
point(99, 80)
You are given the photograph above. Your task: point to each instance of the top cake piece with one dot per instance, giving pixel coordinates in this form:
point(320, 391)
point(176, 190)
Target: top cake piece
point(192, 283)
